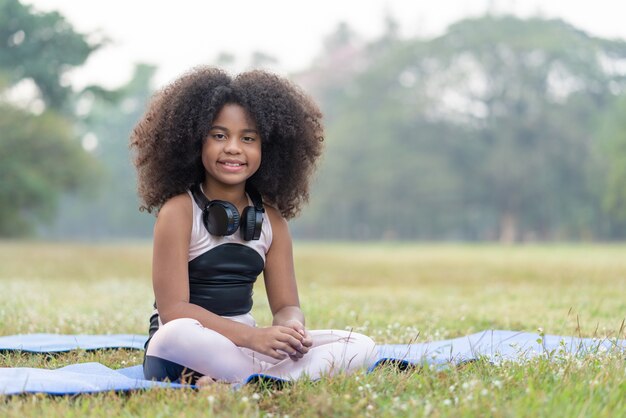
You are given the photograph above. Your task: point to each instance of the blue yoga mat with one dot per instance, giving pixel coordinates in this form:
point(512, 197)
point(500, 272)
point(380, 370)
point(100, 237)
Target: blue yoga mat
point(74, 379)
point(56, 343)
point(495, 346)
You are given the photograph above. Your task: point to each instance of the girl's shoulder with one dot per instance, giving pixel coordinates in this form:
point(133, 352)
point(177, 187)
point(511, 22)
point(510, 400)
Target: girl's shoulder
point(177, 209)
point(172, 228)
point(273, 214)
point(278, 222)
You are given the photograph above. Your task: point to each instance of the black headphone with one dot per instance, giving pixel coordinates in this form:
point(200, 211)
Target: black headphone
point(222, 218)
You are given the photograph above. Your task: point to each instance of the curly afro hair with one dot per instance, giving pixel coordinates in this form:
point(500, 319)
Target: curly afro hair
point(168, 139)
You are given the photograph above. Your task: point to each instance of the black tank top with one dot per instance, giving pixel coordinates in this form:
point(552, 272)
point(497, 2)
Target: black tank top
point(222, 270)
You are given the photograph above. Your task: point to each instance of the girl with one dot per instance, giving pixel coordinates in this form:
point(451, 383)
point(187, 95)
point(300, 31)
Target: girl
point(225, 162)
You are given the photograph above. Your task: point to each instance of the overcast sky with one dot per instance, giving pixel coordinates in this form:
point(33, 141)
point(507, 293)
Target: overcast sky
point(177, 35)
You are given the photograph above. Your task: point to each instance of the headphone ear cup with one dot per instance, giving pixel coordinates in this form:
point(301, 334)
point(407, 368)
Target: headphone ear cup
point(251, 224)
point(205, 219)
point(247, 223)
point(221, 218)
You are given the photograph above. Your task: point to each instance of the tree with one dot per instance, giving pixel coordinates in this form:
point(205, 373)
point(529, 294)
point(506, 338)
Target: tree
point(33, 155)
point(613, 155)
point(114, 210)
point(387, 172)
point(487, 132)
point(42, 47)
point(40, 155)
point(532, 89)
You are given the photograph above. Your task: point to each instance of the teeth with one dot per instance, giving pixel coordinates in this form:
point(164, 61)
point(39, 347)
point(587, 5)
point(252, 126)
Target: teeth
point(233, 164)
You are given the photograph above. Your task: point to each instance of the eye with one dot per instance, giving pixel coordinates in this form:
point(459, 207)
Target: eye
point(218, 136)
point(248, 139)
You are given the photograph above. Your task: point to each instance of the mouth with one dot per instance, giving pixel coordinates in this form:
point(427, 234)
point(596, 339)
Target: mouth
point(232, 166)
point(232, 163)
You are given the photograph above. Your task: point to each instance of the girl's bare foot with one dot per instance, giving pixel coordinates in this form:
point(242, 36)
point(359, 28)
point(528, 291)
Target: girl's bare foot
point(204, 381)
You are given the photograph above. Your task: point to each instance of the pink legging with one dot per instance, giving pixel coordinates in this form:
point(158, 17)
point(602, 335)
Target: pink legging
point(186, 342)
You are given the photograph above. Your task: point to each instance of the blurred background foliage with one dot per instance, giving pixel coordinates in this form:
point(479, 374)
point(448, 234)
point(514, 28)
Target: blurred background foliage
point(502, 129)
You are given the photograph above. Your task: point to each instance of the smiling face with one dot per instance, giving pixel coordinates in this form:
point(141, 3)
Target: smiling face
point(231, 152)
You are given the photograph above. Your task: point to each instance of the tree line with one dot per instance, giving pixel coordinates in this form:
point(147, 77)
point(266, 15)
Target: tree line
point(500, 129)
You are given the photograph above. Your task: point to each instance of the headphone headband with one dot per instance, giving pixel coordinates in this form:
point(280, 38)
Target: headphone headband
point(255, 196)
point(201, 200)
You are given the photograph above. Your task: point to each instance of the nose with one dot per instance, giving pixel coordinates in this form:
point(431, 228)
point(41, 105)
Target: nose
point(232, 145)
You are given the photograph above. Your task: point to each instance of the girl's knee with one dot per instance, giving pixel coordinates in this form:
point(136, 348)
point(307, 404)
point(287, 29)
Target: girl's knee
point(360, 348)
point(181, 322)
point(176, 327)
point(368, 347)
point(171, 333)
point(322, 337)
point(362, 339)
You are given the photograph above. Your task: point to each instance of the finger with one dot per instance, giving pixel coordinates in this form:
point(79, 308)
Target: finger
point(295, 324)
point(300, 350)
point(303, 348)
point(293, 339)
point(278, 355)
point(296, 344)
point(296, 356)
point(307, 341)
point(298, 327)
point(285, 347)
point(295, 334)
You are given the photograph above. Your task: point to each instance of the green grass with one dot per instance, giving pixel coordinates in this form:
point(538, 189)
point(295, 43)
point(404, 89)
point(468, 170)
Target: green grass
point(396, 293)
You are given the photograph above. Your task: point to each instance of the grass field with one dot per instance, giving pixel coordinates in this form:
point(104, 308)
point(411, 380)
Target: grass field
point(396, 293)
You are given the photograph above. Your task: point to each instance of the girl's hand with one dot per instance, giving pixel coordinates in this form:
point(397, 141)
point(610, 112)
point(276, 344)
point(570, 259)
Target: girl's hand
point(278, 342)
point(306, 341)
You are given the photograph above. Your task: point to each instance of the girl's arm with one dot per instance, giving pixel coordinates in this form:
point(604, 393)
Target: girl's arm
point(280, 278)
point(170, 279)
